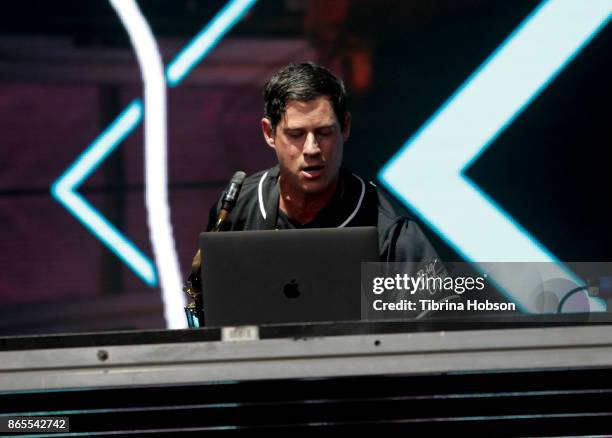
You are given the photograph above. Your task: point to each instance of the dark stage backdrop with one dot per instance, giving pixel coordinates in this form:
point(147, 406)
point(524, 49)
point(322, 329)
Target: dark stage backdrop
point(67, 70)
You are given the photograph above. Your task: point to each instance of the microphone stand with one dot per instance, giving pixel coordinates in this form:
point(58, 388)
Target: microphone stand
point(194, 311)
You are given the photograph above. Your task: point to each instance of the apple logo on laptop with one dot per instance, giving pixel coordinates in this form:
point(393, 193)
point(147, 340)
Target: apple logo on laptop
point(292, 289)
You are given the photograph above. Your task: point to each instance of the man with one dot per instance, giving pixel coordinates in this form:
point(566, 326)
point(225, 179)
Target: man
point(306, 122)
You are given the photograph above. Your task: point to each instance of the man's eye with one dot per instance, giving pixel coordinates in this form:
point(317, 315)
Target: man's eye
point(295, 134)
point(324, 132)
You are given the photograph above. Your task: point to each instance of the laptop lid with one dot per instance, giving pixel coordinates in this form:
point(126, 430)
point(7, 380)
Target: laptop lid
point(284, 276)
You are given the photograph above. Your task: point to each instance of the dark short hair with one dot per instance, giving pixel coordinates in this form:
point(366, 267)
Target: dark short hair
point(303, 82)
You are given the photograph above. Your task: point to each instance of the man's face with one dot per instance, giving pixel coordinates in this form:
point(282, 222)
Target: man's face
point(308, 142)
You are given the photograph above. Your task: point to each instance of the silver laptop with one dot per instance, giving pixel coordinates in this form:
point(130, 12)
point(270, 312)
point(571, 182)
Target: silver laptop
point(284, 276)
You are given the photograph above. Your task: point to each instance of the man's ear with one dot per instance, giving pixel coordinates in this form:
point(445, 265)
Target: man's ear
point(268, 133)
point(347, 126)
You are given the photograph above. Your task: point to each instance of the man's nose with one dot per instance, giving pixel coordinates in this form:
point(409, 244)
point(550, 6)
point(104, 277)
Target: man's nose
point(311, 145)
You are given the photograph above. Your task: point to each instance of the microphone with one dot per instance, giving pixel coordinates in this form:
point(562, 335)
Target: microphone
point(230, 196)
point(233, 190)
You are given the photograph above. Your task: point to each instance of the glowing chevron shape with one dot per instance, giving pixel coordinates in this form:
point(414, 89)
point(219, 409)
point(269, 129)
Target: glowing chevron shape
point(428, 173)
point(64, 190)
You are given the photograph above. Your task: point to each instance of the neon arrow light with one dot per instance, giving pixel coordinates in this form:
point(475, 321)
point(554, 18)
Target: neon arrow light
point(428, 173)
point(64, 188)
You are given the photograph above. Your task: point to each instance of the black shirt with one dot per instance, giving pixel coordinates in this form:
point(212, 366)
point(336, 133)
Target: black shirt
point(355, 203)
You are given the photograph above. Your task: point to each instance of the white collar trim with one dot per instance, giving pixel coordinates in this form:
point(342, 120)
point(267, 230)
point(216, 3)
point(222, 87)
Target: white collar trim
point(358, 203)
point(260, 196)
point(343, 224)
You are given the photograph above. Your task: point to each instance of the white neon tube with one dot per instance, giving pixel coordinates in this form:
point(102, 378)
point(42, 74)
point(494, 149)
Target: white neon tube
point(156, 193)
